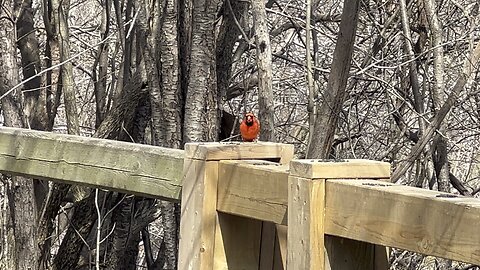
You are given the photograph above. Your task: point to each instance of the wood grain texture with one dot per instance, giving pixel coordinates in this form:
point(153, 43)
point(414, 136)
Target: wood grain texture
point(125, 167)
point(198, 215)
point(255, 189)
point(424, 221)
point(267, 246)
point(305, 238)
point(341, 169)
point(239, 150)
point(201, 224)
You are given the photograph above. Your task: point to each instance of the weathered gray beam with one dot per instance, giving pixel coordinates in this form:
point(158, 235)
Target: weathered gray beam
point(120, 166)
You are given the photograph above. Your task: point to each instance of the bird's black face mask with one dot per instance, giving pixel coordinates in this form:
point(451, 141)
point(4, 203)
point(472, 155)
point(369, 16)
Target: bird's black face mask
point(249, 120)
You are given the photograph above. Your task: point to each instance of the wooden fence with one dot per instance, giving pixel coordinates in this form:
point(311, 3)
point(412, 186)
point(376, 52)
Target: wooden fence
point(250, 206)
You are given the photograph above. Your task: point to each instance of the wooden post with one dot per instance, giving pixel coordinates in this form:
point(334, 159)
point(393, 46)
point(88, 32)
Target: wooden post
point(307, 246)
point(208, 239)
point(305, 237)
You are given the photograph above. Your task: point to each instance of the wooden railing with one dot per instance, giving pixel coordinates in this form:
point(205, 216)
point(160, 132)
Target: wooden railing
point(126, 167)
point(250, 206)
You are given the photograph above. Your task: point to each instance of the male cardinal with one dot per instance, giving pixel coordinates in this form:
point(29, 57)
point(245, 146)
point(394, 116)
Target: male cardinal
point(249, 128)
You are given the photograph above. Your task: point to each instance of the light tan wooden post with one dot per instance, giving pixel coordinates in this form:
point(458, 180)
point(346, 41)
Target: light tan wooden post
point(199, 224)
point(307, 246)
point(305, 236)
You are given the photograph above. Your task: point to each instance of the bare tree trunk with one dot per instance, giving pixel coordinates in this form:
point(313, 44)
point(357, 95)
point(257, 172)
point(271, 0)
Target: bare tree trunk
point(34, 106)
point(52, 56)
point(413, 83)
point(162, 62)
point(329, 110)
point(413, 72)
point(201, 73)
point(130, 216)
point(310, 83)
point(185, 45)
point(34, 96)
point(264, 63)
point(45, 226)
point(84, 216)
point(227, 38)
point(170, 121)
point(18, 241)
point(101, 61)
point(36, 114)
point(440, 144)
point(82, 222)
point(60, 9)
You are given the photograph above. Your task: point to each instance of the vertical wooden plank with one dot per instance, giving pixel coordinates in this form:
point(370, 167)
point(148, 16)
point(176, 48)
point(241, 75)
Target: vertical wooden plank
point(279, 252)
point(267, 248)
point(382, 258)
point(198, 214)
point(305, 239)
point(280, 257)
point(343, 253)
point(237, 243)
point(287, 155)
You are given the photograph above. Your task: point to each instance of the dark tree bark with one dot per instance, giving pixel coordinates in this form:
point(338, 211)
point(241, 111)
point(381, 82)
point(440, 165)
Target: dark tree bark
point(412, 82)
point(47, 202)
point(84, 216)
point(185, 45)
point(440, 143)
point(130, 216)
point(227, 37)
point(167, 119)
point(202, 75)
point(34, 97)
point(169, 122)
point(52, 57)
point(334, 95)
point(18, 223)
point(101, 62)
point(46, 221)
point(60, 11)
point(83, 219)
point(27, 42)
point(162, 66)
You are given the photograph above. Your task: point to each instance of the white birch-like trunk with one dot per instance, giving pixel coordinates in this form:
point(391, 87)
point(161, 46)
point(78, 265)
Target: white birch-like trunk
point(264, 64)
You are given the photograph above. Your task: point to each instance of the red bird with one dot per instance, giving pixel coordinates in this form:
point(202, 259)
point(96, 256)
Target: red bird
point(249, 128)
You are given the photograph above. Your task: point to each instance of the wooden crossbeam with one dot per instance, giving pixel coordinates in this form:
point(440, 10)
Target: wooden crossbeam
point(125, 167)
point(336, 169)
point(255, 189)
point(424, 221)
